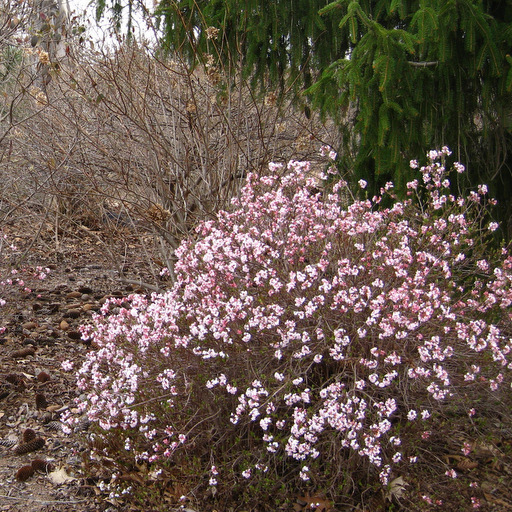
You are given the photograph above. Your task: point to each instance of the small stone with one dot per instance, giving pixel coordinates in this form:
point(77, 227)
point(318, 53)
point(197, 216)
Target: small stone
point(64, 325)
point(73, 295)
point(29, 325)
point(73, 313)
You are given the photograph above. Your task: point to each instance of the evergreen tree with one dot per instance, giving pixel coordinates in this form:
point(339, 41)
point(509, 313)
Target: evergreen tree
point(424, 74)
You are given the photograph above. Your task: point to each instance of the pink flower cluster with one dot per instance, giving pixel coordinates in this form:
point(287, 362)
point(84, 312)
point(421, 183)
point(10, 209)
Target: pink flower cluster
point(328, 329)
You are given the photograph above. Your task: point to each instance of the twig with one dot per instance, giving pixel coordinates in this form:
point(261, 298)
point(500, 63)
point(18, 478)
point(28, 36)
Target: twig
point(44, 502)
point(423, 64)
point(140, 283)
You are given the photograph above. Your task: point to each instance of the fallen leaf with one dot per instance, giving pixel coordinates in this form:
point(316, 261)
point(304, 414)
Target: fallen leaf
point(317, 503)
point(396, 488)
point(466, 464)
point(60, 476)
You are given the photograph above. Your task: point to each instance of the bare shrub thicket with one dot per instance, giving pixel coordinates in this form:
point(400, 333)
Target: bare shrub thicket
point(130, 140)
point(29, 35)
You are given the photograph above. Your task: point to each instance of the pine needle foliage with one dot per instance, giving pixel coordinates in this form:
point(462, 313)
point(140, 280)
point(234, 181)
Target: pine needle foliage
point(424, 74)
point(280, 43)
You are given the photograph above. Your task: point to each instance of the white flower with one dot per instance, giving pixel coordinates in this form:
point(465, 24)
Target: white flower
point(67, 365)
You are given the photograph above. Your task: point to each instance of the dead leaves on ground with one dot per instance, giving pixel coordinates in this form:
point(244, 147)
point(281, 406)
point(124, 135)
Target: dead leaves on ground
point(313, 502)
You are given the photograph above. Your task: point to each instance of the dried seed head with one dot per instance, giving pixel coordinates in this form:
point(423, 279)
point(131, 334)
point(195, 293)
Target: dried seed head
point(41, 402)
point(29, 435)
point(31, 446)
point(41, 465)
point(27, 351)
point(24, 473)
point(43, 377)
point(15, 379)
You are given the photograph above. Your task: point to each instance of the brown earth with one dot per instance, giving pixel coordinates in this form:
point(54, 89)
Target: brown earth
point(42, 331)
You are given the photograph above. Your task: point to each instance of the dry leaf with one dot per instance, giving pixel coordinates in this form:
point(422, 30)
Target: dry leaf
point(460, 462)
point(396, 488)
point(60, 476)
point(313, 503)
point(466, 464)
point(131, 477)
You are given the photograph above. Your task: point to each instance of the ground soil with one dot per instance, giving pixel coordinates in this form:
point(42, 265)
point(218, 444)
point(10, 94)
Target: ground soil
point(42, 331)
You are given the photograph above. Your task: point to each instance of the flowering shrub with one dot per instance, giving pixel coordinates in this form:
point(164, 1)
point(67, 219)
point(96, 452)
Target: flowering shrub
point(304, 341)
